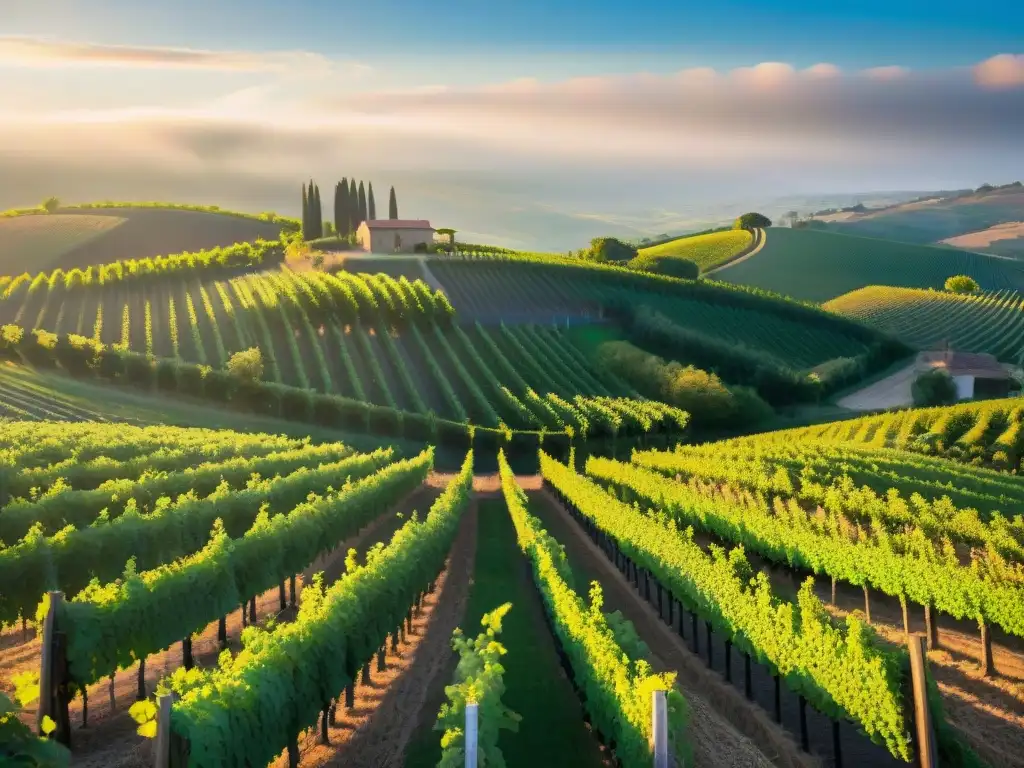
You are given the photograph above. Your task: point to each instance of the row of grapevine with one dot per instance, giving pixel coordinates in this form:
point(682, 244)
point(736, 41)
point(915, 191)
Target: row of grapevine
point(989, 322)
point(109, 626)
point(286, 680)
point(941, 431)
point(842, 672)
point(62, 506)
point(886, 503)
point(907, 565)
point(173, 529)
point(618, 688)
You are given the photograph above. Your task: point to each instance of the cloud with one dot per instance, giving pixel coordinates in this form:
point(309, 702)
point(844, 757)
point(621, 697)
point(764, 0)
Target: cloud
point(1003, 71)
point(886, 73)
point(44, 52)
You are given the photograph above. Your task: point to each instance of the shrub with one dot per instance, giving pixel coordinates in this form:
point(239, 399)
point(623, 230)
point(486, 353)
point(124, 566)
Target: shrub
point(752, 221)
point(11, 336)
point(671, 266)
point(50, 204)
point(709, 402)
point(139, 370)
point(77, 354)
point(259, 397)
point(111, 364)
point(962, 284)
point(246, 365)
point(190, 378)
point(296, 404)
point(609, 249)
point(219, 385)
point(934, 387)
point(167, 375)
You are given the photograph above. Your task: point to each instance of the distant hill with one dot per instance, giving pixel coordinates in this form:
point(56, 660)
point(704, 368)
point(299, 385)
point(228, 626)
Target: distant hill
point(813, 265)
point(941, 218)
point(79, 237)
point(986, 322)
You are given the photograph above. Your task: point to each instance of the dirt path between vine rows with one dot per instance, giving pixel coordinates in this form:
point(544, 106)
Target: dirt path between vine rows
point(724, 728)
point(110, 740)
point(375, 732)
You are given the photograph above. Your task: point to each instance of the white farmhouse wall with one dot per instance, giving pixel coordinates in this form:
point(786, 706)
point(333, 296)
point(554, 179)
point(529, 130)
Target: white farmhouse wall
point(383, 240)
point(964, 387)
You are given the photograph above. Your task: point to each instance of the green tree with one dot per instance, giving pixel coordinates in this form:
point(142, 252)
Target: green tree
point(363, 213)
point(305, 214)
point(353, 206)
point(609, 249)
point(371, 206)
point(934, 387)
point(752, 221)
point(247, 365)
point(50, 204)
point(392, 205)
point(962, 284)
point(339, 207)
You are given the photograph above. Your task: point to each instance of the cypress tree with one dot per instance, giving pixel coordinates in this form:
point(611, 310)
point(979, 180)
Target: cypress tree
point(339, 226)
point(353, 204)
point(318, 214)
point(346, 213)
point(392, 205)
point(362, 203)
point(370, 204)
point(305, 213)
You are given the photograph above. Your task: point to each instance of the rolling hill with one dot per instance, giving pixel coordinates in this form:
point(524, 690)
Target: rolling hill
point(942, 218)
point(991, 322)
point(706, 251)
point(812, 265)
point(83, 236)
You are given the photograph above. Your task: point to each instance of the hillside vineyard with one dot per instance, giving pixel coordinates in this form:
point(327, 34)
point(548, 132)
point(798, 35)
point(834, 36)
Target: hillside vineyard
point(262, 505)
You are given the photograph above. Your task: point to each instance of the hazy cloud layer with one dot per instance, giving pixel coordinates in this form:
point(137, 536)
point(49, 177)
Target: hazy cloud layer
point(628, 152)
point(43, 52)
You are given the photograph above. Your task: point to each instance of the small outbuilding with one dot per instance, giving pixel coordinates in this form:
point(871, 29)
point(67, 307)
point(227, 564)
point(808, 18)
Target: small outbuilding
point(394, 235)
point(976, 375)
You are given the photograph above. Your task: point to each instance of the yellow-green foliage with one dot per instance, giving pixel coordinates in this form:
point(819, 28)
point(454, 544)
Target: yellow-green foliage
point(706, 251)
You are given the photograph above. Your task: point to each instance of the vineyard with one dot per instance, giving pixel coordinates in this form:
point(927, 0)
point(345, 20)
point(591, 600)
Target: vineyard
point(109, 528)
point(982, 434)
point(991, 322)
point(706, 251)
point(812, 265)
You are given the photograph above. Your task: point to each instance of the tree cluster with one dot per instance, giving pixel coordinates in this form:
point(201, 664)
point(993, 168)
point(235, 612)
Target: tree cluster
point(353, 204)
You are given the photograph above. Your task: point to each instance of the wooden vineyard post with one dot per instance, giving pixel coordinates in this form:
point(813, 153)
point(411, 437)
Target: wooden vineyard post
point(924, 732)
point(659, 728)
point(162, 749)
point(471, 734)
point(987, 666)
point(53, 683)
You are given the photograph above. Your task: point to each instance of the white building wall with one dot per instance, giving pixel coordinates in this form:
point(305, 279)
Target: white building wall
point(964, 387)
point(383, 240)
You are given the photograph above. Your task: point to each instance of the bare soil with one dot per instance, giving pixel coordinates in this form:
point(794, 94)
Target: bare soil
point(374, 733)
point(891, 392)
point(1009, 230)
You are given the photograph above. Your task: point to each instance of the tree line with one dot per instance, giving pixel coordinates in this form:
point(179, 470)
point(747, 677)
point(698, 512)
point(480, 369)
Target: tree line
point(353, 204)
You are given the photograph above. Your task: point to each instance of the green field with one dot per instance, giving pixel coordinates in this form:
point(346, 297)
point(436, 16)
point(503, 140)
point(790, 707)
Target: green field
point(706, 251)
point(991, 322)
point(100, 234)
point(812, 265)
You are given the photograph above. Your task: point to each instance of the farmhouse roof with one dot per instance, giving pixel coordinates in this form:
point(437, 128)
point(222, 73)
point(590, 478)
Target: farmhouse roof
point(398, 224)
point(975, 364)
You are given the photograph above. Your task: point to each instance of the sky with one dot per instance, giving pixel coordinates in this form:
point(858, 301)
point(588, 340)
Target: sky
point(531, 124)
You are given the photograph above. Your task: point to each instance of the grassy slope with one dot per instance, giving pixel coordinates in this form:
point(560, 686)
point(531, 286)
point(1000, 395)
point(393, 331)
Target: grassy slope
point(143, 232)
point(55, 396)
point(990, 322)
point(706, 251)
point(552, 731)
point(36, 243)
point(813, 265)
